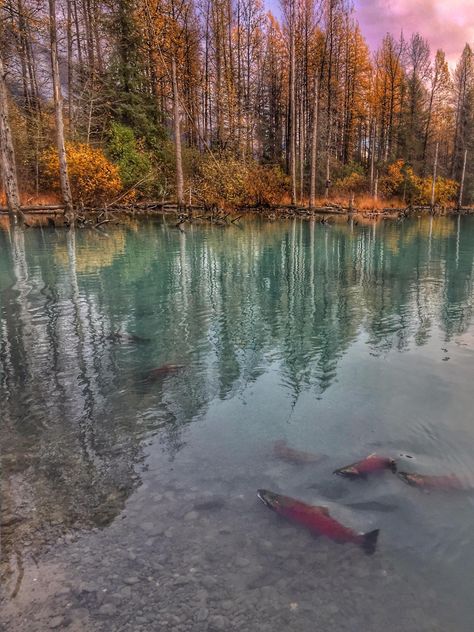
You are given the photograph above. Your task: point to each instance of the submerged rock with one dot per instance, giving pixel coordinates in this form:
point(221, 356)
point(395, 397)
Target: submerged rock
point(57, 622)
point(202, 615)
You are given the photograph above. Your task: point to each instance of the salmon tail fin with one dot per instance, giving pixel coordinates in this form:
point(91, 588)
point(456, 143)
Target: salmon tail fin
point(393, 466)
point(369, 541)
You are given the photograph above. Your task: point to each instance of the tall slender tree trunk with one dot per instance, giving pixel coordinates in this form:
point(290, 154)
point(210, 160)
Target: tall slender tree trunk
point(292, 108)
point(301, 148)
point(461, 184)
point(58, 110)
point(177, 137)
point(433, 184)
point(372, 155)
point(70, 62)
point(328, 157)
point(7, 154)
point(314, 147)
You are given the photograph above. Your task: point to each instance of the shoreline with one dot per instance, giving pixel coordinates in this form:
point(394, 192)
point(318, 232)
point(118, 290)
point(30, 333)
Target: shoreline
point(53, 215)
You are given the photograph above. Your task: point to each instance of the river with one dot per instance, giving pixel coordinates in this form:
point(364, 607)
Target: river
point(129, 496)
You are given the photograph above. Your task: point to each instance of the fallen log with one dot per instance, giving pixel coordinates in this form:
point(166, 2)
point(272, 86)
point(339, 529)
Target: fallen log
point(37, 209)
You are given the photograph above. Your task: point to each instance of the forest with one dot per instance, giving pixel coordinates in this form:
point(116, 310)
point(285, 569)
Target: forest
point(223, 104)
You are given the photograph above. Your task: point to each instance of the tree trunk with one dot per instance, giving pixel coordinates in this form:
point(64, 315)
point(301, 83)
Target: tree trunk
point(372, 156)
point(58, 110)
point(70, 62)
point(314, 147)
point(292, 108)
point(433, 185)
point(328, 158)
point(177, 137)
point(461, 185)
point(7, 154)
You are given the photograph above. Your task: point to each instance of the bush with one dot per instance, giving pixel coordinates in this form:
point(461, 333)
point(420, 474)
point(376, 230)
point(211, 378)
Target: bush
point(267, 185)
point(400, 180)
point(353, 183)
point(445, 191)
point(228, 183)
point(93, 179)
point(222, 182)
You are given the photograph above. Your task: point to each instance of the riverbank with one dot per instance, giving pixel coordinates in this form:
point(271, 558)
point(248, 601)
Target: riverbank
point(98, 217)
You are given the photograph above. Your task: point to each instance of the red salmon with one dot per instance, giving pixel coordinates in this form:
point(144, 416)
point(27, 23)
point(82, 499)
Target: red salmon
point(282, 450)
point(317, 520)
point(448, 482)
point(371, 464)
point(163, 371)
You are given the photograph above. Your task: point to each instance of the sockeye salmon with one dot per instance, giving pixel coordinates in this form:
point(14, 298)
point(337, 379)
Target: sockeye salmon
point(449, 482)
point(119, 337)
point(371, 464)
point(162, 371)
point(317, 520)
point(282, 450)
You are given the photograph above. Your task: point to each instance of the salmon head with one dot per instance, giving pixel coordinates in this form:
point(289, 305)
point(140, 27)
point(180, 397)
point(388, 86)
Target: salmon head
point(412, 479)
point(277, 502)
point(270, 499)
point(350, 471)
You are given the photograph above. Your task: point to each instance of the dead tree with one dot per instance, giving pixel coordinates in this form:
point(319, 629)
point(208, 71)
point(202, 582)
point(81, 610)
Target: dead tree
point(7, 154)
point(58, 111)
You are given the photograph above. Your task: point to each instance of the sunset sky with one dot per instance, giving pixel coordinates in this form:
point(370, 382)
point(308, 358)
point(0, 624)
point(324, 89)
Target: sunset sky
point(446, 24)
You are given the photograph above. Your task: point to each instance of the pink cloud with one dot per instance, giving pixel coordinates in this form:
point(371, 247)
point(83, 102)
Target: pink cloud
point(446, 24)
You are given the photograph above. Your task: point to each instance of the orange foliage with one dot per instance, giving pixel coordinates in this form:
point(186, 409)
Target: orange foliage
point(94, 180)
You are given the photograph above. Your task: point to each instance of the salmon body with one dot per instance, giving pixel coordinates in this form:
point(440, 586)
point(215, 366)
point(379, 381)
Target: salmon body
point(119, 337)
point(163, 371)
point(282, 450)
point(317, 520)
point(449, 482)
point(370, 465)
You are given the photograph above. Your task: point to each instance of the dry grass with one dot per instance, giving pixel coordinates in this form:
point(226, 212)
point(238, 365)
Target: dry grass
point(42, 199)
point(31, 199)
point(362, 202)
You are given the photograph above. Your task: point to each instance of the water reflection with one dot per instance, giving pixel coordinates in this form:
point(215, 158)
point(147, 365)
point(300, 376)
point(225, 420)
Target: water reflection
point(230, 305)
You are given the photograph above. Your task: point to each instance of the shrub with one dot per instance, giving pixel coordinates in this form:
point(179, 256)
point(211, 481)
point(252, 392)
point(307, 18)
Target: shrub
point(228, 183)
point(93, 179)
point(445, 190)
point(400, 180)
point(353, 183)
point(267, 185)
point(222, 182)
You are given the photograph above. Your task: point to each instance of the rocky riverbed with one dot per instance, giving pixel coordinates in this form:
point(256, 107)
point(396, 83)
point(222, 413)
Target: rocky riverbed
point(203, 561)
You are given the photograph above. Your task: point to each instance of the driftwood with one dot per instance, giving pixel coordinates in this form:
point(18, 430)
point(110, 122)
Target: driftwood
point(90, 215)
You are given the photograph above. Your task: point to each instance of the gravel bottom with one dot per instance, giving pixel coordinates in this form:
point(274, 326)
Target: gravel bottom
point(197, 561)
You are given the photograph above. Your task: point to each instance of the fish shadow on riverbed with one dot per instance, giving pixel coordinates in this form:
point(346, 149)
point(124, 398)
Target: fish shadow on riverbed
point(124, 338)
point(283, 452)
point(158, 375)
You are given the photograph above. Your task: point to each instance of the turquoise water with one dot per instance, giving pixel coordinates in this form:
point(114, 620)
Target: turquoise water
point(129, 503)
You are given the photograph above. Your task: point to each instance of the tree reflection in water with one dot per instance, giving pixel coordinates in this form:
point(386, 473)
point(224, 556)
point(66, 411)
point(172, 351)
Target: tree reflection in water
point(230, 305)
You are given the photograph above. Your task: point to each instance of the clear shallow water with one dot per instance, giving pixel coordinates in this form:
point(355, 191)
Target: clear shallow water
point(130, 505)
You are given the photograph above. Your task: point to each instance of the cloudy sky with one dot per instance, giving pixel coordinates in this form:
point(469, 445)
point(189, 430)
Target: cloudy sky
point(446, 24)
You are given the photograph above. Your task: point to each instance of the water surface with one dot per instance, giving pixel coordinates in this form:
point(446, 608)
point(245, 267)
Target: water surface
point(129, 503)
